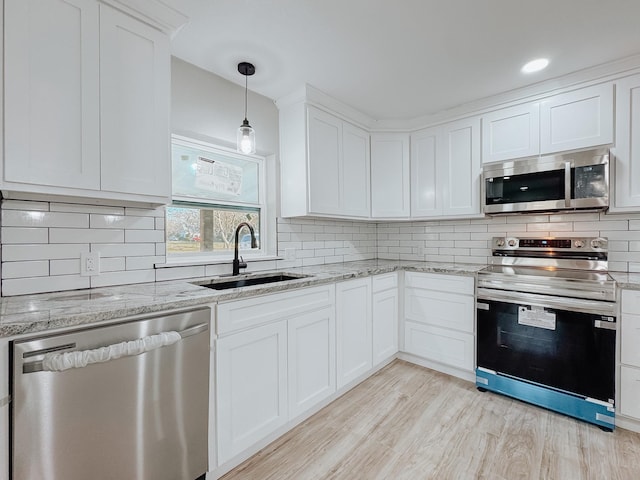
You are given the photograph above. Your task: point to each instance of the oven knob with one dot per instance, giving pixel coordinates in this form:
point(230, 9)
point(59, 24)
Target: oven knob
point(500, 242)
point(596, 244)
point(512, 242)
point(578, 243)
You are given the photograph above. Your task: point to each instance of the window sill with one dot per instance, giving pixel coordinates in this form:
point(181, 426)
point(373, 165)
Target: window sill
point(190, 262)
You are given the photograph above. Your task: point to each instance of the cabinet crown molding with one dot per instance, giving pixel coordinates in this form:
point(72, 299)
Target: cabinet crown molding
point(155, 13)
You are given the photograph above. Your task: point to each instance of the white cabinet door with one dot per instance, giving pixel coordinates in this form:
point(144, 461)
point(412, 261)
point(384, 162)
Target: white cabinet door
point(385, 325)
point(390, 175)
point(579, 119)
point(134, 102)
point(512, 132)
point(461, 167)
point(442, 309)
point(251, 375)
point(51, 93)
point(630, 339)
point(630, 391)
point(325, 150)
point(626, 165)
point(4, 409)
point(355, 177)
point(426, 194)
point(312, 359)
point(353, 329)
point(442, 345)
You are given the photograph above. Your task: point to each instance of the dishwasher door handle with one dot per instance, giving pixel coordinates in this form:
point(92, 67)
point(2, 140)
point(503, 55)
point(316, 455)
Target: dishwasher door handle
point(59, 362)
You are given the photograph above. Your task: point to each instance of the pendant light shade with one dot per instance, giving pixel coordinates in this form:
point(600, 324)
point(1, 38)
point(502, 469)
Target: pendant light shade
point(246, 137)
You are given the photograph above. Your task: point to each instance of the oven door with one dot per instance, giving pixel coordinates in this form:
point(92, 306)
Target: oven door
point(553, 346)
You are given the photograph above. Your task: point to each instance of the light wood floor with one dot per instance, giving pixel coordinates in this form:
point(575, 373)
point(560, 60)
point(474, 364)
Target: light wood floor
point(407, 422)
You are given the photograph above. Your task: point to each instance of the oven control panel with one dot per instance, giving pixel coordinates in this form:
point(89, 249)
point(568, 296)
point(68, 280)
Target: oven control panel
point(598, 244)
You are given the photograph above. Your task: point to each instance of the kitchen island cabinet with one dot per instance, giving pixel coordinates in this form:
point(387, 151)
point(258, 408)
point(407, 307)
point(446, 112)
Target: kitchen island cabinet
point(105, 133)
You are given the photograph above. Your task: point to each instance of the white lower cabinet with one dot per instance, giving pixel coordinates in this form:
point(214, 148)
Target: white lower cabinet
point(353, 329)
point(439, 318)
point(629, 356)
point(4, 409)
point(384, 317)
point(251, 375)
point(311, 359)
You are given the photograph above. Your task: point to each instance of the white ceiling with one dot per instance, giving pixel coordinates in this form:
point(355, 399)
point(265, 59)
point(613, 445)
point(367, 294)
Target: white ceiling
point(401, 59)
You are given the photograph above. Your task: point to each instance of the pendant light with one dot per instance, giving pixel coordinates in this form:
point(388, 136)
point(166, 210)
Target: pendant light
point(246, 134)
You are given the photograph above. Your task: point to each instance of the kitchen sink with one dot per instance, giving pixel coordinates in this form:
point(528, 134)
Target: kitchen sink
point(246, 281)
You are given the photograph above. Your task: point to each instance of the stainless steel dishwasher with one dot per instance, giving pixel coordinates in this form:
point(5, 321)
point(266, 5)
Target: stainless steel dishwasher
point(125, 401)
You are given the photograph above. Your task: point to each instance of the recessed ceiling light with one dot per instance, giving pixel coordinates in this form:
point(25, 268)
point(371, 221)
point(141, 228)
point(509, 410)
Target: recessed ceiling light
point(535, 65)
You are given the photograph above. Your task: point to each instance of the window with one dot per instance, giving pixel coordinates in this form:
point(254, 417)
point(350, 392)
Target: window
point(214, 190)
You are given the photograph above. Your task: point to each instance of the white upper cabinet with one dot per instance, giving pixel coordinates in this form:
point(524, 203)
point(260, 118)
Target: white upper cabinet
point(445, 170)
point(426, 196)
point(134, 100)
point(511, 133)
point(51, 78)
point(87, 94)
point(325, 167)
point(461, 167)
point(626, 194)
point(578, 119)
point(325, 152)
point(390, 168)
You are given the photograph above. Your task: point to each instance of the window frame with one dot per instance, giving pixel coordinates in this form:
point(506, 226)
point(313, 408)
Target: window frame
point(266, 169)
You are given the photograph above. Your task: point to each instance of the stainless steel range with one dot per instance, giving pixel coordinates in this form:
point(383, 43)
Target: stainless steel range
point(547, 325)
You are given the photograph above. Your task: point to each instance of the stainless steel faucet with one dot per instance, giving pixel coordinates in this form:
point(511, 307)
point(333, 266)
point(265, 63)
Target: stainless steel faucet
point(240, 263)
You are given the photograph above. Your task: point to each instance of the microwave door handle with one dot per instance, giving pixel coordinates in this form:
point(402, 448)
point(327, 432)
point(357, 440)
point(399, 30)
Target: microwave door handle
point(567, 184)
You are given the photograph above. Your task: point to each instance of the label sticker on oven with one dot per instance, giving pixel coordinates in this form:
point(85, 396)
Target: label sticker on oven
point(536, 317)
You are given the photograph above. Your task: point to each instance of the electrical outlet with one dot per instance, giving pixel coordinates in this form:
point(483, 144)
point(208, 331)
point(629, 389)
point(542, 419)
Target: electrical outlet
point(289, 254)
point(90, 264)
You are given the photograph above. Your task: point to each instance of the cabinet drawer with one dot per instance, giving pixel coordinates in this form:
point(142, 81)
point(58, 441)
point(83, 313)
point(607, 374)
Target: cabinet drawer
point(441, 282)
point(241, 314)
point(385, 282)
point(441, 345)
point(630, 338)
point(630, 392)
point(447, 310)
point(631, 301)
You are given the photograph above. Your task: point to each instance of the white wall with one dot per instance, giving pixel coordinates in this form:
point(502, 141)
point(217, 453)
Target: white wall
point(206, 106)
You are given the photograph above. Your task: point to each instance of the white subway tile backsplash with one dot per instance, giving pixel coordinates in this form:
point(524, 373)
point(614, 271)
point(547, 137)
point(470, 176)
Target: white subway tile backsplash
point(125, 249)
point(122, 278)
point(42, 252)
point(144, 212)
point(144, 236)
point(20, 218)
point(85, 235)
point(69, 266)
point(142, 263)
point(79, 208)
point(38, 268)
point(23, 286)
point(121, 222)
point(25, 205)
point(179, 273)
point(24, 235)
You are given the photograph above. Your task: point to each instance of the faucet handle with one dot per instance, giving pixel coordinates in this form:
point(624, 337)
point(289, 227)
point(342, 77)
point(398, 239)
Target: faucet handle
point(242, 263)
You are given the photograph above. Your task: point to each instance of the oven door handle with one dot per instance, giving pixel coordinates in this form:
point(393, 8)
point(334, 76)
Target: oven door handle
point(579, 305)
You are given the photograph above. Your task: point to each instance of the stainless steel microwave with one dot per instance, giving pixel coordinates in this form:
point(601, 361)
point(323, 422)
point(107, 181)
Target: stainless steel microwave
point(569, 181)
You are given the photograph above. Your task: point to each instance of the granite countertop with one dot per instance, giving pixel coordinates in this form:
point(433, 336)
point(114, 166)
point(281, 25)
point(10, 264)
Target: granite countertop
point(42, 312)
point(626, 280)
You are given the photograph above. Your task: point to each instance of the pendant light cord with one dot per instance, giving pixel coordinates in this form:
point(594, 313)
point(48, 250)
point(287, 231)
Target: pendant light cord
point(246, 80)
